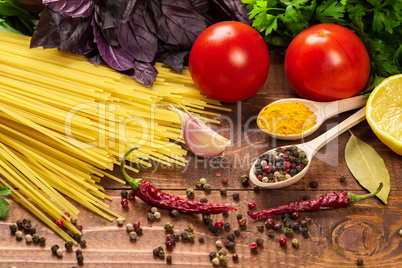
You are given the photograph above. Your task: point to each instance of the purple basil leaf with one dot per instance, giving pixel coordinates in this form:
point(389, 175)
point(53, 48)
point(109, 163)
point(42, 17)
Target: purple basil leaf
point(73, 8)
point(111, 36)
point(135, 38)
point(231, 10)
point(172, 55)
point(180, 24)
point(115, 57)
point(94, 56)
point(153, 11)
point(114, 12)
point(144, 73)
point(64, 32)
point(201, 6)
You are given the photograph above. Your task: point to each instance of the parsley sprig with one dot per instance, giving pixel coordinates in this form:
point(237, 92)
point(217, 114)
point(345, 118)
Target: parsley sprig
point(377, 22)
point(5, 191)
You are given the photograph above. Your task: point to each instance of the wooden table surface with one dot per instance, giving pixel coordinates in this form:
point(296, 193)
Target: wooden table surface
point(337, 238)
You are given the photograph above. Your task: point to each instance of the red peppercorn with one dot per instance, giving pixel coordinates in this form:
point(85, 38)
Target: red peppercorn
point(59, 223)
point(260, 177)
point(286, 157)
point(217, 174)
point(286, 165)
point(124, 203)
point(253, 246)
point(219, 224)
point(225, 180)
point(256, 189)
point(295, 215)
point(267, 169)
point(79, 228)
point(242, 222)
point(235, 257)
point(270, 223)
point(169, 237)
point(132, 195)
point(136, 225)
point(282, 241)
point(251, 205)
point(301, 165)
point(67, 214)
point(169, 244)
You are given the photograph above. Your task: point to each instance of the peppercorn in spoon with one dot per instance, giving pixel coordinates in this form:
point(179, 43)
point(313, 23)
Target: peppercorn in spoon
point(305, 117)
point(280, 159)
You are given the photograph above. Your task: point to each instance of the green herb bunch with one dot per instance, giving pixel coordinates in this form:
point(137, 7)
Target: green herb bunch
point(377, 22)
point(16, 19)
point(5, 191)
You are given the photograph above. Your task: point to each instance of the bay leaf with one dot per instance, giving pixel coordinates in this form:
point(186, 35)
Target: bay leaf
point(367, 167)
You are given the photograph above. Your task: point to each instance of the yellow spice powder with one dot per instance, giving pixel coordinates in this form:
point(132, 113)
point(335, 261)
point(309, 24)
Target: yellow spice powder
point(286, 118)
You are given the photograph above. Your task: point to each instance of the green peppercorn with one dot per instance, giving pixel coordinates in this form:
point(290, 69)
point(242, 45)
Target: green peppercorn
point(259, 242)
point(223, 191)
point(35, 238)
point(222, 251)
point(174, 213)
point(198, 184)
point(186, 235)
point(223, 259)
point(190, 227)
point(295, 243)
point(245, 179)
point(212, 255)
point(206, 216)
point(215, 261)
point(304, 161)
point(190, 192)
point(201, 239)
point(288, 231)
point(169, 227)
point(359, 262)
point(68, 245)
point(302, 155)
point(207, 187)
point(133, 235)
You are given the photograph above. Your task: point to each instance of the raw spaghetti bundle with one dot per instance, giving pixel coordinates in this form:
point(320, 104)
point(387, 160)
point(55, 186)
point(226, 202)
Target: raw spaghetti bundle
point(65, 122)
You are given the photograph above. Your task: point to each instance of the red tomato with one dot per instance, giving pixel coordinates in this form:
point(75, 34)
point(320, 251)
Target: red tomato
point(327, 62)
point(229, 61)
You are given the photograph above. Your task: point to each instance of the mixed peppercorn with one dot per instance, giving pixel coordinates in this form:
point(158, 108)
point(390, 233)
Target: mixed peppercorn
point(280, 164)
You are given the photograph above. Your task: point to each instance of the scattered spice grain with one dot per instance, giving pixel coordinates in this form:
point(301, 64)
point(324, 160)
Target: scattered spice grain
point(201, 239)
point(169, 259)
point(342, 178)
point(212, 255)
point(174, 213)
point(236, 196)
point(68, 245)
point(313, 184)
point(359, 262)
point(13, 229)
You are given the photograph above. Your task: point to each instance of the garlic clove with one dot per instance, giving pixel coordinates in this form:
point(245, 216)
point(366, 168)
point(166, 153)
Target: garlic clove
point(199, 137)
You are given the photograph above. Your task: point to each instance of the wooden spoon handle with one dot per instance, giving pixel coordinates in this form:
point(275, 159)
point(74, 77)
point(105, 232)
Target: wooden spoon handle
point(314, 145)
point(337, 107)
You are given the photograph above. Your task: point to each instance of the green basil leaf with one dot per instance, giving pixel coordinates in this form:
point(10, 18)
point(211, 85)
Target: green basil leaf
point(367, 167)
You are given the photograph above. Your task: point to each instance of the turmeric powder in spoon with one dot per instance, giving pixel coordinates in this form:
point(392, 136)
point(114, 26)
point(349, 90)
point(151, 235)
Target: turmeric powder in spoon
point(291, 118)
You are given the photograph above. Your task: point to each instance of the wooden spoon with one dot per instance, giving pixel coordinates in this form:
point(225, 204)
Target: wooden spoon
point(323, 110)
point(310, 148)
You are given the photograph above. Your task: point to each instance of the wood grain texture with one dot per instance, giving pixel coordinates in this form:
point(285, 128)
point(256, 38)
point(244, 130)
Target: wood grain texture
point(367, 230)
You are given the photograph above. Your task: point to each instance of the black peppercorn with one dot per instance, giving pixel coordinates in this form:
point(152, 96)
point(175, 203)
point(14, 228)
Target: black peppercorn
point(124, 194)
point(225, 213)
point(13, 229)
point(32, 231)
point(73, 221)
point(286, 216)
point(83, 243)
point(19, 225)
point(303, 224)
point(54, 249)
point(159, 252)
point(295, 226)
point(271, 233)
point(231, 245)
point(342, 178)
point(313, 184)
point(174, 213)
point(213, 229)
point(304, 232)
point(260, 228)
point(42, 241)
point(204, 200)
point(169, 259)
point(259, 241)
point(201, 239)
point(359, 262)
point(237, 232)
point(287, 223)
point(77, 237)
point(305, 198)
point(212, 255)
point(245, 179)
point(231, 237)
point(138, 231)
point(226, 226)
point(239, 216)
point(68, 245)
point(223, 191)
point(78, 252)
point(80, 258)
point(236, 196)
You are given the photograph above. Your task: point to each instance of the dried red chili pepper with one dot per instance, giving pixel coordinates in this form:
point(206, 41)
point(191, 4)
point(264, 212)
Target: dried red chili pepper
point(333, 200)
point(152, 196)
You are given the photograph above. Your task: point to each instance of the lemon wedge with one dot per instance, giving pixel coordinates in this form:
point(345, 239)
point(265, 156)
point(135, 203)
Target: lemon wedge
point(384, 112)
